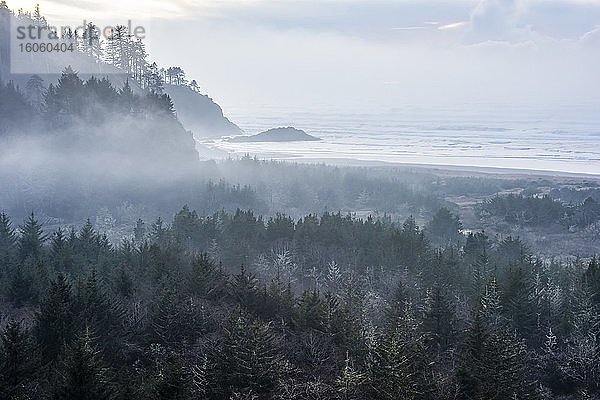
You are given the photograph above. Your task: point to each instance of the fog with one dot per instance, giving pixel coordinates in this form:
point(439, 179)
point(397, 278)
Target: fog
point(356, 55)
point(248, 56)
point(378, 53)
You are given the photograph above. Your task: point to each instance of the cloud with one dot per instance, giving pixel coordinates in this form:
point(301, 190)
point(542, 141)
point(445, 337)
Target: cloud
point(452, 26)
point(495, 20)
point(591, 37)
point(516, 21)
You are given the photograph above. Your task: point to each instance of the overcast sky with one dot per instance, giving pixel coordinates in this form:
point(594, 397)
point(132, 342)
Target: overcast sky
point(328, 53)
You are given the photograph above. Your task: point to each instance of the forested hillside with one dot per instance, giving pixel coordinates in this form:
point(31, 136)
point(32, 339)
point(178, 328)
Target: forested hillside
point(120, 58)
point(89, 140)
point(234, 306)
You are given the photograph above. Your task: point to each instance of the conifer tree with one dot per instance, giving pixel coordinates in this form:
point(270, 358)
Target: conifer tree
point(444, 228)
point(31, 242)
point(350, 383)
point(139, 232)
point(175, 319)
point(438, 319)
point(591, 277)
point(21, 288)
point(494, 363)
point(66, 97)
point(249, 359)
point(128, 102)
point(18, 361)
point(580, 364)
point(55, 324)
point(90, 42)
point(8, 247)
point(244, 289)
point(173, 382)
point(399, 364)
point(124, 282)
point(81, 374)
point(516, 301)
point(34, 88)
point(312, 311)
point(154, 81)
point(86, 242)
point(206, 279)
point(61, 252)
point(160, 233)
point(100, 312)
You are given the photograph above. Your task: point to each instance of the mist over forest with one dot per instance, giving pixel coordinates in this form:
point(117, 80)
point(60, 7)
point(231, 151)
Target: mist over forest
point(137, 261)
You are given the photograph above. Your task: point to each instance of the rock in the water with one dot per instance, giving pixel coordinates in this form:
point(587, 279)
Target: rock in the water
point(288, 134)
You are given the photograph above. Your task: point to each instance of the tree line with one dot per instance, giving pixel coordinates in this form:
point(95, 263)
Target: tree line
point(541, 210)
point(119, 49)
point(235, 306)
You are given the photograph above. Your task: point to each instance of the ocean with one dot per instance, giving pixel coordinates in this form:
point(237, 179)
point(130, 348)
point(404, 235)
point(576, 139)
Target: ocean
point(562, 138)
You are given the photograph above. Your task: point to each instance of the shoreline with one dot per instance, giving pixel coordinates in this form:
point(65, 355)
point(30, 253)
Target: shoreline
point(465, 169)
point(439, 169)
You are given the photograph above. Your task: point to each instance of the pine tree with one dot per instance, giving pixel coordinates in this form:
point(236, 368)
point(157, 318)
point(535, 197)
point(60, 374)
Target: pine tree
point(186, 225)
point(350, 382)
point(8, 248)
point(549, 362)
point(81, 374)
point(173, 382)
point(334, 276)
point(129, 105)
point(470, 372)
point(138, 62)
point(478, 276)
point(34, 88)
point(91, 44)
point(139, 232)
point(176, 76)
point(517, 301)
point(206, 279)
point(312, 311)
point(55, 325)
point(17, 360)
point(86, 242)
point(592, 278)
point(118, 48)
point(580, 362)
point(249, 359)
point(61, 252)
point(37, 16)
point(194, 86)
point(244, 289)
point(494, 363)
point(475, 245)
point(154, 82)
point(31, 242)
point(160, 233)
point(100, 312)
point(64, 99)
point(124, 282)
point(438, 319)
point(176, 321)
point(399, 364)
point(21, 288)
point(444, 228)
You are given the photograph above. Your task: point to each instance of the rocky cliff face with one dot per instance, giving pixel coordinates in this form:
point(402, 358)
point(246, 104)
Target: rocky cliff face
point(200, 114)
